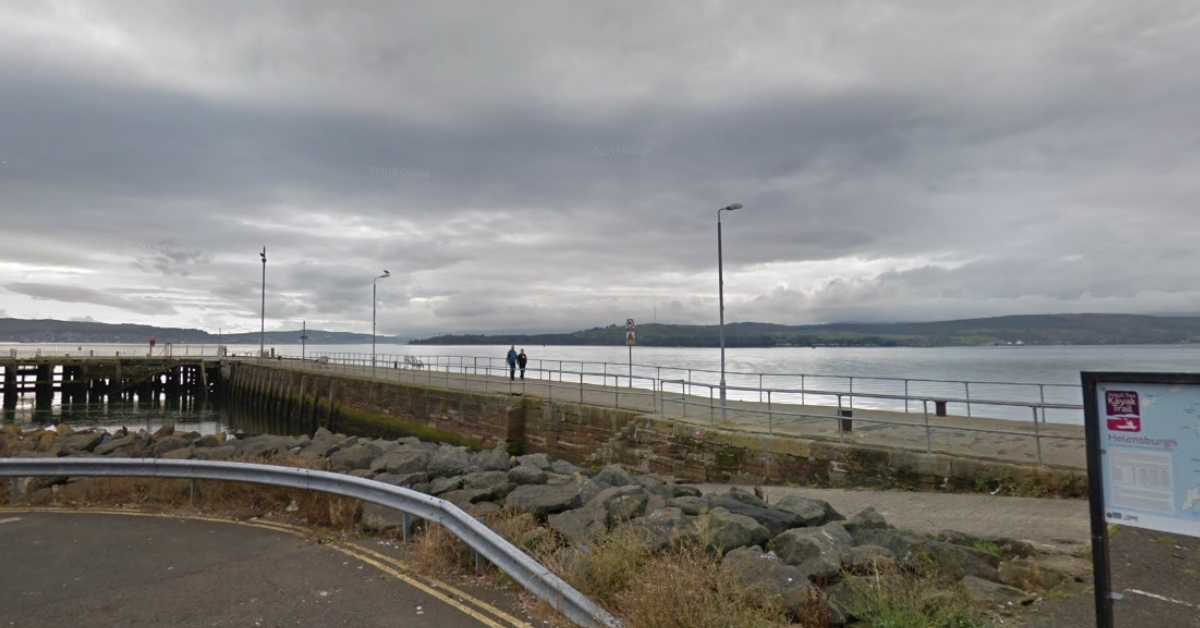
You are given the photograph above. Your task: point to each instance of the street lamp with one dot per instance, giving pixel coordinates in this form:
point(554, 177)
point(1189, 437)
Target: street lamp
point(262, 331)
point(721, 297)
point(375, 283)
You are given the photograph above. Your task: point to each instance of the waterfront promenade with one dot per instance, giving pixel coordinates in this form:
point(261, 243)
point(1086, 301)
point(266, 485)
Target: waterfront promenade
point(1007, 441)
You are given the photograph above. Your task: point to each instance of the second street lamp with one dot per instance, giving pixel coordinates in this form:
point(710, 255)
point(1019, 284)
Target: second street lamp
point(262, 331)
point(721, 300)
point(374, 285)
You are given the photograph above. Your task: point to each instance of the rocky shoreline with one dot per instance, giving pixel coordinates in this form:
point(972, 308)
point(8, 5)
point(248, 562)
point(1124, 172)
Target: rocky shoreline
point(782, 549)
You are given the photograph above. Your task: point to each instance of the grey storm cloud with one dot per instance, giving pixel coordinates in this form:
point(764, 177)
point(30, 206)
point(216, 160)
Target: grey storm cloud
point(70, 294)
point(533, 166)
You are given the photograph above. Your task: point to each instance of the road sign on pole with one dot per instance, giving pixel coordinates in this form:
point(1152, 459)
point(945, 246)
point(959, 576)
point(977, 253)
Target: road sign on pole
point(630, 332)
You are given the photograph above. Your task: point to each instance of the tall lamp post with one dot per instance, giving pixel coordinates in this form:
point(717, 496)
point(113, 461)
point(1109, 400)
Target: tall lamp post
point(374, 285)
point(262, 331)
point(721, 298)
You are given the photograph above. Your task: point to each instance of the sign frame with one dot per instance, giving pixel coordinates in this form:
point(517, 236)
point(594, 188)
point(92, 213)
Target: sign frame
point(1095, 426)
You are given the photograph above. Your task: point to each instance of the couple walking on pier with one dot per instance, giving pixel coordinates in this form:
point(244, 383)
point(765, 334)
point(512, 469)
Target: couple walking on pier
point(516, 360)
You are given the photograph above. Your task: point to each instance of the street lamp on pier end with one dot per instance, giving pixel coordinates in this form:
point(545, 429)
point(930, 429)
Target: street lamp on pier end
point(374, 288)
point(721, 301)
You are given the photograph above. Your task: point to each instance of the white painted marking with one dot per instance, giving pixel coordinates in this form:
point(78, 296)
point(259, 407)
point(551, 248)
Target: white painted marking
point(1161, 598)
point(10, 520)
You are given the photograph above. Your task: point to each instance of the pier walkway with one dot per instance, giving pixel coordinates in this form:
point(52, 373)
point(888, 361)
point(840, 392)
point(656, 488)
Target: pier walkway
point(1032, 442)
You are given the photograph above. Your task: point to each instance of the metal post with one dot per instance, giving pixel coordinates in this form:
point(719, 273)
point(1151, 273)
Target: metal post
point(928, 437)
point(770, 416)
point(374, 285)
point(967, 387)
point(405, 527)
point(14, 491)
point(906, 396)
point(1037, 434)
point(721, 299)
point(262, 332)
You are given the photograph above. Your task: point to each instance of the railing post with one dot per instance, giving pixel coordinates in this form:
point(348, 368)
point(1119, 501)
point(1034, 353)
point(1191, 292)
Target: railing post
point(1037, 434)
point(906, 396)
point(405, 527)
point(851, 394)
point(770, 416)
point(928, 436)
point(760, 387)
point(841, 434)
point(14, 491)
point(802, 387)
point(967, 387)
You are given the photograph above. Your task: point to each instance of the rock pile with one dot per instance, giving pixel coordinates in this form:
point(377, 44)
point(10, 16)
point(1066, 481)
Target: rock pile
point(783, 548)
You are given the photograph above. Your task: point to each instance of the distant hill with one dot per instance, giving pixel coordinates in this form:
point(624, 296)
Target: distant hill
point(22, 330)
point(1041, 329)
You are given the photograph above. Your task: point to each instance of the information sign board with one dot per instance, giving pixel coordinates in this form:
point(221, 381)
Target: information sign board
point(1143, 461)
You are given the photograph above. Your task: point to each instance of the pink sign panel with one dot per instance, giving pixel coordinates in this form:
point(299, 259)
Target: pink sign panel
point(1122, 402)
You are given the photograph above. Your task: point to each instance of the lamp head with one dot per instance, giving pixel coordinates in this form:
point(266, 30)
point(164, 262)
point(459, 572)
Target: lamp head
point(385, 275)
point(731, 207)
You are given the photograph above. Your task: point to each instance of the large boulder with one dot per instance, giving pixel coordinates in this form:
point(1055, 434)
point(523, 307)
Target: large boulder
point(448, 462)
point(268, 445)
point(80, 442)
point(765, 579)
point(815, 551)
point(690, 504)
point(721, 531)
point(357, 456)
point(916, 551)
point(526, 474)
point(580, 525)
point(661, 528)
point(168, 444)
point(444, 485)
point(812, 512)
point(224, 453)
point(322, 443)
point(868, 519)
point(544, 500)
point(614, 475)
point(743, 503)
point(540, 461)
point(495, 459)
point(407, 480)
point(401, 460)
point(112, 445)
point(983, 591)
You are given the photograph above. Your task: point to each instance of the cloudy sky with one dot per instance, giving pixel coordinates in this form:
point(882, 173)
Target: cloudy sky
point(553, 166)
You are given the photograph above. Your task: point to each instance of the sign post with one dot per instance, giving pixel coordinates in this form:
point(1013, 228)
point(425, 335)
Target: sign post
point(1143, 458)
point(630, 339)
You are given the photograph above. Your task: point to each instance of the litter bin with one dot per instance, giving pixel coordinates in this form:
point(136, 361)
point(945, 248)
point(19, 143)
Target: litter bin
point(847, 422)
point(939, 407)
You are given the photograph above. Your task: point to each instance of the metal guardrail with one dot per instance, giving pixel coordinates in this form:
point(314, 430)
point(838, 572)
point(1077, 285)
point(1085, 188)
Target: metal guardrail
point(529, 573)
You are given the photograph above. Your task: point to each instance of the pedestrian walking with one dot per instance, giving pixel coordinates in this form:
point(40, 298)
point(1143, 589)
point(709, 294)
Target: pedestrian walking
point(521, 360)
point(512, 362)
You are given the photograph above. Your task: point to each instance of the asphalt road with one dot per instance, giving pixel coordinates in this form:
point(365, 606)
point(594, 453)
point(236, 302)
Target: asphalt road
point(81, 569)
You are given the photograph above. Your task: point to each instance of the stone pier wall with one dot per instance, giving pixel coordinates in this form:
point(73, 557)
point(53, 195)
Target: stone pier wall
point(598, 436)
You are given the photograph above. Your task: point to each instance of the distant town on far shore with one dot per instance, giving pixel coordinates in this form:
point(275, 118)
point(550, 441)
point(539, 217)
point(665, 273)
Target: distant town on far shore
point(1042, 329)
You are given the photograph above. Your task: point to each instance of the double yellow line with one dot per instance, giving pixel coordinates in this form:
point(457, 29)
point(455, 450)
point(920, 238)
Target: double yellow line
point(470, 606)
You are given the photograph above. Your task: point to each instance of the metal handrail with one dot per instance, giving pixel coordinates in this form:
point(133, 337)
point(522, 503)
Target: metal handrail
point(529, 573)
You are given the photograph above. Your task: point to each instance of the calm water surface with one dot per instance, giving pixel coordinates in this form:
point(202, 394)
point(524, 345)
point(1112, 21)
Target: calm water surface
point(888, 371)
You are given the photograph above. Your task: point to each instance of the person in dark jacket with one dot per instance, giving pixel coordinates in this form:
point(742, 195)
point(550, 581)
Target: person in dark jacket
point(512, 362)
point(521, 360)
